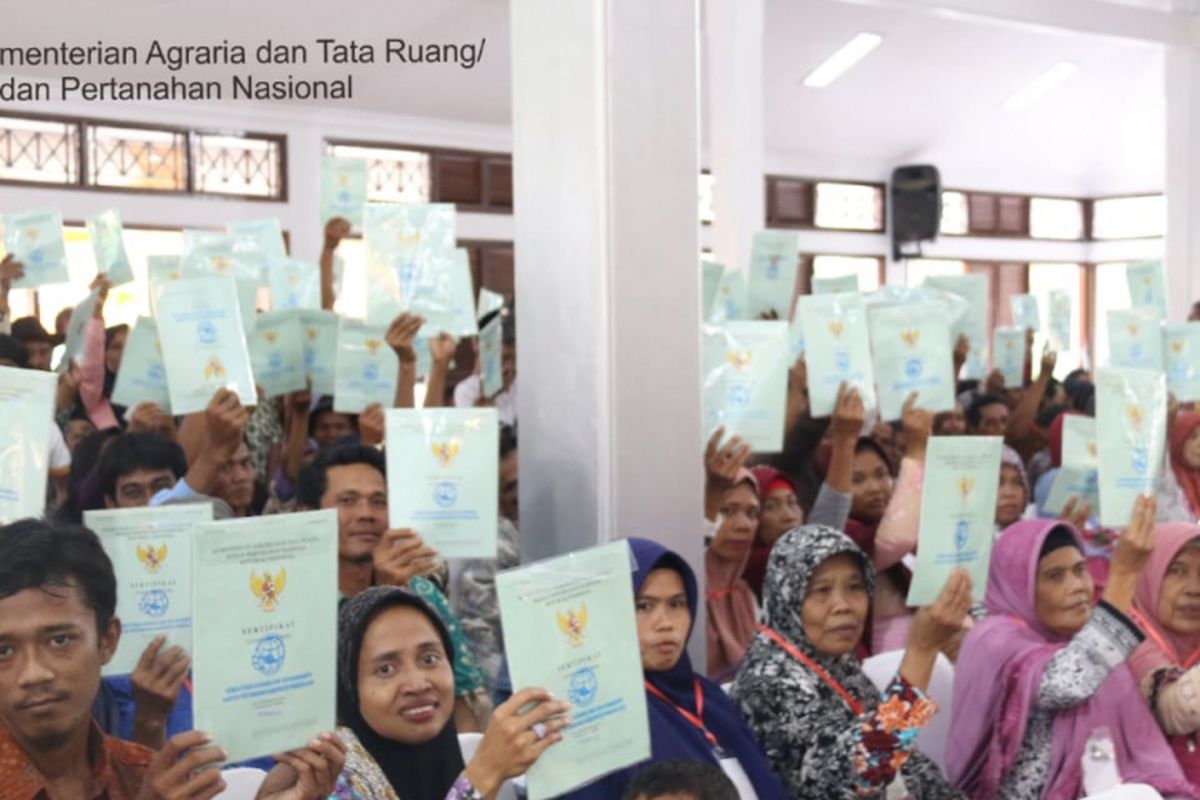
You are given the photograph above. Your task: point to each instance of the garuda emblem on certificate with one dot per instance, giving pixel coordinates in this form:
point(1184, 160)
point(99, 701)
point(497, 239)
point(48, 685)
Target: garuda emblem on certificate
point(268, 587)
point(572, 624)
point(152, 557)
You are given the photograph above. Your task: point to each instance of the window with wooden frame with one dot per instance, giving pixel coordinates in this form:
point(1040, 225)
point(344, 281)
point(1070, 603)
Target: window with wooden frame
point(128, 156)
point(1135, 217)
point(472, 180)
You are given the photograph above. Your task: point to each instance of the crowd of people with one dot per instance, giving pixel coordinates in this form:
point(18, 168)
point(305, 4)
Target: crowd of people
point(1080, 631)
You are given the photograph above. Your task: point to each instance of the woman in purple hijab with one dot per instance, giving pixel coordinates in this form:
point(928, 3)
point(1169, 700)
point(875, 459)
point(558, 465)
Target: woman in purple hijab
point(1046, 670)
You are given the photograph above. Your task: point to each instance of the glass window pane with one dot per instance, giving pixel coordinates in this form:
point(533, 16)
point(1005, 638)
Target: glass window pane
point(850, 206)
point(137, 158)
point(34, 150)
point(1129, 217)
point(1045, 278)
point(1112, 292)
point(238, 165)
point(706, 197)
point(393, 175)
point(921, 268)
point(865, 267)
point(1053, 218)
point(954, 214)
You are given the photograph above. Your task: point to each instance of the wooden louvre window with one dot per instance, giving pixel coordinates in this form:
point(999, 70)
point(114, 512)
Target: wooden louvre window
point(789, 202)
point(458, 179)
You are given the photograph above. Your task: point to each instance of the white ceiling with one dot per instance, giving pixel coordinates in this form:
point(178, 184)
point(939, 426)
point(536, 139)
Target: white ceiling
point(931, 92)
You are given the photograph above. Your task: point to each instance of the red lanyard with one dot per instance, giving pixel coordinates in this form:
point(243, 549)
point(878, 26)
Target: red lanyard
point(813, 667)
point(1163, 645)
point(697, 718)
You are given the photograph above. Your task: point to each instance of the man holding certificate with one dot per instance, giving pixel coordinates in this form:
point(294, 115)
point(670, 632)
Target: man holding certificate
point(57, 630)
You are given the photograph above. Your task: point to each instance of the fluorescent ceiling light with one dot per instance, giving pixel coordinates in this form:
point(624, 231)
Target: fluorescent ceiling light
point(846, 57)
point(1040, 86)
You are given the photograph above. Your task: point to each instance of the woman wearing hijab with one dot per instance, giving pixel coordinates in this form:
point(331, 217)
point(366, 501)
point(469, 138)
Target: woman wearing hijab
point(1185, 460)
point(823, 725)
point(395, 702)
point(732, 611)
point(1167, 608)
point(691, 719)
point(1045, 670)
point(1013, 495)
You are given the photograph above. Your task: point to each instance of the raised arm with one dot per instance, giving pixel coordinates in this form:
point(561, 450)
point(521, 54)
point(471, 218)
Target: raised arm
point(897, 532)
point(441, 350)
point(400, 336)
point(1020, 422)
point(335, 230)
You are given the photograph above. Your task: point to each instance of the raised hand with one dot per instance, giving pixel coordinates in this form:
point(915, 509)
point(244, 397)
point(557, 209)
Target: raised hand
point(1130, 553)
point(962, 347)
point(182, 770)
point(848, 413)
point(918, 425)
point(934, 628)
point(721, 464)
point(156, 681)
point(400, 336)
point(1049, 361)
point(309, 773)
point(442, 348)
point(336, 229)
point(514, 740)
point(371, 425)
point(1076, 514)
point(402, 555)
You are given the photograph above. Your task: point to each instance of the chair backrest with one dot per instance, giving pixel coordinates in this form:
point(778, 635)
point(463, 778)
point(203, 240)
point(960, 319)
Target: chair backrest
point(468, 743)
point(932, 739)
point(241, 783)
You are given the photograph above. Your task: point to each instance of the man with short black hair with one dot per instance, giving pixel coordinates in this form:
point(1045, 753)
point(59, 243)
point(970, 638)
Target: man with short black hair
point(58, 628)
point(681, 780)
point(138, 466)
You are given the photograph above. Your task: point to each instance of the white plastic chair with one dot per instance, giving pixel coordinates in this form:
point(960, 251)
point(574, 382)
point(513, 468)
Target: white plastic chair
point(932, 739)
point(468, 743)
point(241, 783)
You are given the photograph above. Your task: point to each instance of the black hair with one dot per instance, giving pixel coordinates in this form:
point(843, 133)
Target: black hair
point(111, 332)
point(1046, 417)
point(134, 451)
point(36, 555)
point(325, 406)
point(975, 410)
point(694, 779)
point(29, 329)
point(84, 461)
point(865, 443)
point(313, 478)
point(508, 439)
point(968, 385)
point(1058, 538)
point(508, 326)
point(12, 349)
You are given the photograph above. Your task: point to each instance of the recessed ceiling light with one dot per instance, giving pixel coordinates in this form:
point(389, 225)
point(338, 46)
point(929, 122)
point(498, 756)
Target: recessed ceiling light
point(846, 57)
point(1040, 86)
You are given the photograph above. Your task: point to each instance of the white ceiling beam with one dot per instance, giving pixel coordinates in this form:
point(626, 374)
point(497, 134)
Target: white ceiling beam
point(1075, 16)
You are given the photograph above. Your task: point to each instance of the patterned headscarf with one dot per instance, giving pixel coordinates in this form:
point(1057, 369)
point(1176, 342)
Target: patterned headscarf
point(788, 707)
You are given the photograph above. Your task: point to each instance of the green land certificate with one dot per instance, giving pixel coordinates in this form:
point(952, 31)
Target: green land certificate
point(1135, 339)
point(836, 348)
point(1078, 477)
point(343, 188)
point(151, 553)
point(911, 349)
point(203, 342)
point(834, 285)
point(570, 627)
point(958, 513)
point(745, 381)
point(1025, 312)
point(443, 477)
point(1147, 286)
point(35, 238)
point(367, 368)
point(1060, 320)
point(1131, 430)
point(27, 402)
point(489, 301)
point(731, 297)
point(143, 376)
point(277, 353)
point(108, 246)
point(1008, 353)
point(491, 346)
point(294, 284)
point(264, 631)
point(710, 281)
point(974, 289)
point(772, 281)
point(320, 330)
point(1181, 348)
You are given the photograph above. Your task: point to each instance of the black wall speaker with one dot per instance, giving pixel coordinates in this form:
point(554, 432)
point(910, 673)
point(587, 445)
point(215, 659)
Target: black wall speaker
point(916, 204)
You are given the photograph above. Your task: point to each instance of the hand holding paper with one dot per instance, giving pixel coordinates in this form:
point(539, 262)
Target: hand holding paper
point(934, 626)
point(1130, 554)
point(508, 749)
point(918, 427)
point(185, 767)
point(400, 556)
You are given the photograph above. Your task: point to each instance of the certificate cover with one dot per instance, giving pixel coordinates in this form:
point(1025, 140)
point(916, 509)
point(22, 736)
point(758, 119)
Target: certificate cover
point(840, 283)
point(151, 553)
point(343, 188)
point(491, 343)
point(277, 353)
point(367, 368)
point(1181, 349)
point(1025, 312)
point(1008, 353)
point(204, 346)
point(570, 628)
point(443, 477)
point(772, 283)
point(320, 329)
point(745, 381)
point(910, 345)
point(27, 396)
point(143, 376)
point(35, 238)
point(958, 513)
point(406, 247)
point(710, 282)
point(294, 284)
point(974, 289)
point(442, 295)
point(1147, 286)
point(836, 349)
point(1061, 321)
point(108, 246)
point(1135, 339)
point(264, 631)
point(1131, 430)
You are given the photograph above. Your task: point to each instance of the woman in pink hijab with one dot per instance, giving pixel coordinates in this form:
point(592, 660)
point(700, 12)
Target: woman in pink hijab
point(731, 611)
point(1045, 671)
point(1167, 608)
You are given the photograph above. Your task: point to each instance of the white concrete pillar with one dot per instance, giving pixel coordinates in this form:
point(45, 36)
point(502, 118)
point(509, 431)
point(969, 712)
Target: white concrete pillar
point(733, 114)
point(608, 289)
point(1183, 180)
